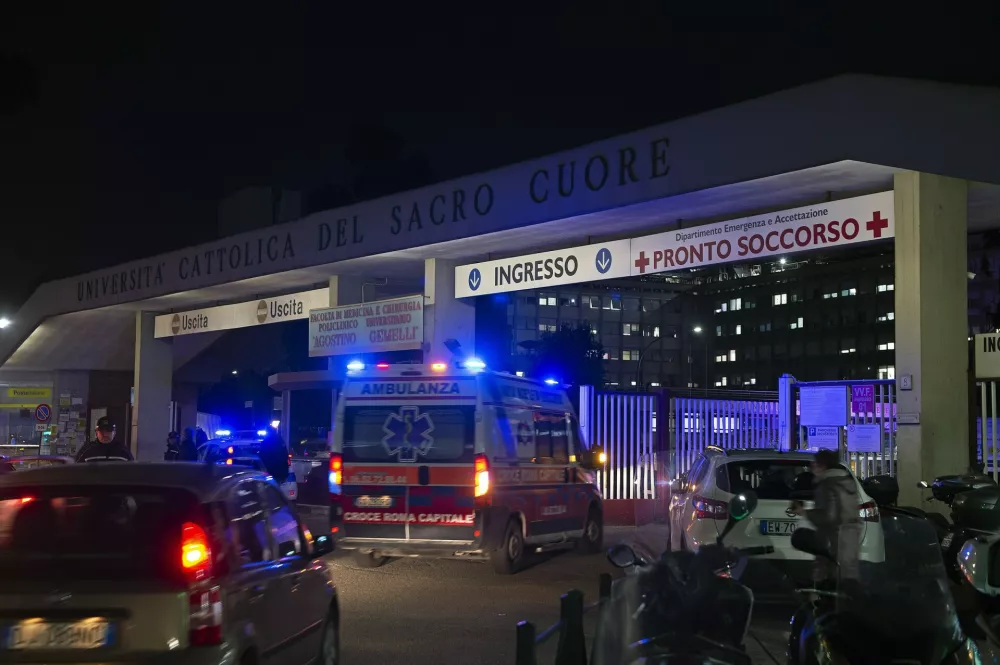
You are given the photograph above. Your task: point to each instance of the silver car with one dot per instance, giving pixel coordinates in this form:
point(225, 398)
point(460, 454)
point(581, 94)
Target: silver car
point(160, 563)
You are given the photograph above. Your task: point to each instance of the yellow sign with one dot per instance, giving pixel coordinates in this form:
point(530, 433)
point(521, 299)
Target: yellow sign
point(30, 393)
point(28, 405)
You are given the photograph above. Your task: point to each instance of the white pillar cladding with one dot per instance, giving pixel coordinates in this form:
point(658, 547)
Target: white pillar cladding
point(154, 368)
point(285, 427)
point(931, 313)
point(445, 316)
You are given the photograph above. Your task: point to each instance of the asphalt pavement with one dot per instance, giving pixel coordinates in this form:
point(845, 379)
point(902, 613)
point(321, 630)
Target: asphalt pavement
point(426, 611)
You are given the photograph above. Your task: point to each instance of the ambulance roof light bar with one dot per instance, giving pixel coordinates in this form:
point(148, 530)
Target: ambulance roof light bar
point(355, 366)
point(382, 365)
point(474, 364)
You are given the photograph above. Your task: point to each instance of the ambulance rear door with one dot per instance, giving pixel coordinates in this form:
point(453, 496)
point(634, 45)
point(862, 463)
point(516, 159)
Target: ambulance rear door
point(408, 453)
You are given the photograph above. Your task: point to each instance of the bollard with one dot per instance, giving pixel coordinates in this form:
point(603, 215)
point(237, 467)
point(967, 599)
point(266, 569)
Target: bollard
point(572, 649)
point(525, 653)
point(605, 586)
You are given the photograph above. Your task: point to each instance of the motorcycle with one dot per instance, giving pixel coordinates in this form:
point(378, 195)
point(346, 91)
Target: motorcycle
point(965, 495)
point(687, 607)
point(900, 611)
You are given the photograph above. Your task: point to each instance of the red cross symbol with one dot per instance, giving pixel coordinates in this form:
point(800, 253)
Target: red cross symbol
point(641, 262)
point(877, 223)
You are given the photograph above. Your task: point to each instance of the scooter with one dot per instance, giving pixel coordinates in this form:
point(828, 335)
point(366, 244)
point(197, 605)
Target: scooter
point(900, 611)
point(964, 495)
point(685, 607)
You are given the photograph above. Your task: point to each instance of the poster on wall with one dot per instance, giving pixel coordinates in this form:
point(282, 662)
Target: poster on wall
point(384, 325)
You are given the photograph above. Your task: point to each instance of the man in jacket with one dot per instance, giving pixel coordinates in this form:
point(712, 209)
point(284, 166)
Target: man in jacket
point(836, 517)
point(173, 447)
point(104, 447)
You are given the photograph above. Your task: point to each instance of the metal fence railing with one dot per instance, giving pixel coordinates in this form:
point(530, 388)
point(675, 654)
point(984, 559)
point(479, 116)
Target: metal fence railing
point(572, 646)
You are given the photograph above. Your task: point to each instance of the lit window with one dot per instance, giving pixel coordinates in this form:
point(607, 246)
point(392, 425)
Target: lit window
point(849, 292)
point(654, 384)
point(718, 331)
point(888, 346)
point(739, 329)
point(796, 324)
point(656, 331)
point(626, 329)
point(736, 304)
point(890, 316)
point(780, 299)
point(626, 355)
point(882, 288)
point(732, 355)
point(848, 350)
point(887, 372)
point(723, 380)
point(633, 383)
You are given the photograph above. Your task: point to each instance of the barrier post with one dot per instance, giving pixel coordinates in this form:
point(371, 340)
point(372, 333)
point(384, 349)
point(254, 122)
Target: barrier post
point(572, 649)
point(525, 653)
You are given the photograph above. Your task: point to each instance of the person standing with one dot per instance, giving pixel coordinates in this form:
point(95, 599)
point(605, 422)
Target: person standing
point(173, 447)
point(104, 447)
point(836, 517)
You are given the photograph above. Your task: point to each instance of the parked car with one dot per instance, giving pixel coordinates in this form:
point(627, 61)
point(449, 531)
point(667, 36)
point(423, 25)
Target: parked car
point(26, 462)
point(165, 562)
point(698, 505)
point(289, 488)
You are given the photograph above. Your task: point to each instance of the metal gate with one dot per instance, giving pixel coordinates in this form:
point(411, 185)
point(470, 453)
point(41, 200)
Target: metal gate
point(625, 426)
point(750, 421)
point(882, 412)
point(986, 427)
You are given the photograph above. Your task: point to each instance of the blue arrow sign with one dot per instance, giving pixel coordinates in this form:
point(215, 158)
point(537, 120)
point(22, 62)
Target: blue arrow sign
point(475, 279)
point(603, 260)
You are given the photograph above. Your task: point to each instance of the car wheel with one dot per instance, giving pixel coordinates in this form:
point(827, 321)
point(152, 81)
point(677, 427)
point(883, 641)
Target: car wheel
point(593, 533)
point(507, 558)
point(329, 648)
point(363, 559)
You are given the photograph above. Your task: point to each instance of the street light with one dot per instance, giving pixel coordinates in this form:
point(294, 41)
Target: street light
point(697, 331)
point(4, 322)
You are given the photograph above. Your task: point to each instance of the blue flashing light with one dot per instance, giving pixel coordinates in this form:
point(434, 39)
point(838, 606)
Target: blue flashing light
point(222, 432)
point(262, 432)
point(475, 364)
point(551, 382)
point(355, 366)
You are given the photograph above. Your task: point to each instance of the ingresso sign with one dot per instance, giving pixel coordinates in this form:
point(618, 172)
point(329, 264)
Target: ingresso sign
point(241, 315)
point(383, 325)
point(749, 239)
point(988, 356)
point(534, 271)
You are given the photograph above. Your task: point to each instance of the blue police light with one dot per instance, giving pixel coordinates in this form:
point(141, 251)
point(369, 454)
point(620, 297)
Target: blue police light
point(355, 366)
point(262, 432)
point(551, 382)
point(222, 432)
point(474, 364)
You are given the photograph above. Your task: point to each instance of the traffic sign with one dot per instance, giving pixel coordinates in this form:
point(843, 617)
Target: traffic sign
point(863, 399)
point(603, 261)
point(545, 269)
point(43, 412)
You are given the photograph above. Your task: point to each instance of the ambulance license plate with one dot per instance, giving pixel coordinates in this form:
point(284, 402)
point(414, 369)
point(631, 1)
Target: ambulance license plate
point(373, 502)
point(34, 634)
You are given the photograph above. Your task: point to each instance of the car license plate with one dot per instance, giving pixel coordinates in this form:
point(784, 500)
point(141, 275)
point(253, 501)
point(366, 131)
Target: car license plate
point(777, 527)
point(946, 541)
point(34, 634)
point(373, 502)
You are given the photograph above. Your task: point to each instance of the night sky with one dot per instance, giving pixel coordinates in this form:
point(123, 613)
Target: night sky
point(123, 124)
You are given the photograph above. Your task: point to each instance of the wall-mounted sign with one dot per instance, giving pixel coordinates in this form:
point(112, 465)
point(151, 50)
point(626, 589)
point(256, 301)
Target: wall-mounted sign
point(864, 438)
point(242, 315)
point(823, 437)
point(30, 393)
point(588, 263)
point(988, 356)
point(833, 224)
point(822, 405)
point(383, 325)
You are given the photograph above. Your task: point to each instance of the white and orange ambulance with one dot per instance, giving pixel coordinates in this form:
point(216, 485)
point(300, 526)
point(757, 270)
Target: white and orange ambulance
point(454, 461)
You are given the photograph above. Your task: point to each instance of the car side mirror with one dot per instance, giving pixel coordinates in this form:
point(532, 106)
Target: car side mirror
point(809, 541)
point(623, 556)
point(322, 546)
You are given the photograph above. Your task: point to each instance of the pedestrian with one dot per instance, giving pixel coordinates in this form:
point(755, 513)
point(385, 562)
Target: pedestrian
point(836, 518)
point(173, 447)
point(104, 447)
point(200, 438)
point(274, 454)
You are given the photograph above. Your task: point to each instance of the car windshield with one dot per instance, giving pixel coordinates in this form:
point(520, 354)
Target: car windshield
point(92, 532)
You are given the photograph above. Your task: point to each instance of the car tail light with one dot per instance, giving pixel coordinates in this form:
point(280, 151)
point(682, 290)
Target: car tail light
point(869, 512)
point(196, 554)
point(439, 367)
point(336, 472)
point(206, 617)
point(27, 499)
point(289, 460)
point(482, 481)
point(710, 509)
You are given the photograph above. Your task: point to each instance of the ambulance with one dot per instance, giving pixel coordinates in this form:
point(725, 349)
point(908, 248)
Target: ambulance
point(451, 460)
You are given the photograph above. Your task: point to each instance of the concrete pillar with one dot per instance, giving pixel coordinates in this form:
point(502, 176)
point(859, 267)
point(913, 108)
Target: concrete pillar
point(931, 307)
point(154, 368)
point(445, 316)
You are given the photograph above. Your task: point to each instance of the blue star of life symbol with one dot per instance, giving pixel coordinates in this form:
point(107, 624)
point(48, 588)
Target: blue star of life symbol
point(408, 434)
